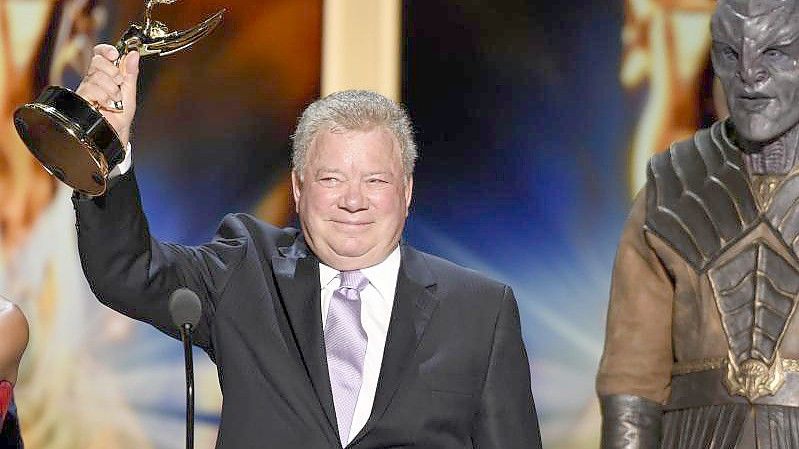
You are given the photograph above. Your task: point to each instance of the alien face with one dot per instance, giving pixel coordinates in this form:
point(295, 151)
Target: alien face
point(755, 55)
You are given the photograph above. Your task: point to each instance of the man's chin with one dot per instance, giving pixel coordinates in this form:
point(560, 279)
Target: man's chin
point(356, 258)
point(346, 258)
point(348, 253)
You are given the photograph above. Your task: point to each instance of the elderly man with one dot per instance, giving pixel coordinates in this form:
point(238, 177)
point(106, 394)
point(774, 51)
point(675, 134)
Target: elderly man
point(335, 335)
point(702, 346)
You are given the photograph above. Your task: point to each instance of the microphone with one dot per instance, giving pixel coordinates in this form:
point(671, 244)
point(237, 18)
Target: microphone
point(186, 309)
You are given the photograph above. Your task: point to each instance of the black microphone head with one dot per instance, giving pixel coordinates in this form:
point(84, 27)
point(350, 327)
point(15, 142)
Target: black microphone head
point(185, 307)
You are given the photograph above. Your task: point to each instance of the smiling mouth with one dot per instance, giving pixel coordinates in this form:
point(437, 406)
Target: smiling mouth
point(352, 224)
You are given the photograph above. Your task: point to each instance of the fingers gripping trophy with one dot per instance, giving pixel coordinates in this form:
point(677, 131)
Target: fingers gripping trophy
point(79, 137)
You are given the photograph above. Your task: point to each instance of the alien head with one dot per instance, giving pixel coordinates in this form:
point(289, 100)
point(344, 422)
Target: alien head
point(755, 53)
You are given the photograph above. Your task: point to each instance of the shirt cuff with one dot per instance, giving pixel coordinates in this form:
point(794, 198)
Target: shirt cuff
point(123, 166)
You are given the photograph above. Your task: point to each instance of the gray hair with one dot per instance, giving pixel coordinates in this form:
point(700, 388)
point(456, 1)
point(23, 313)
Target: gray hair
point(353, 110)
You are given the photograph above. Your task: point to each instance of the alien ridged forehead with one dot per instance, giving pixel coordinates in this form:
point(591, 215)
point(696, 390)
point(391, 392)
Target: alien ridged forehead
point(767, 22)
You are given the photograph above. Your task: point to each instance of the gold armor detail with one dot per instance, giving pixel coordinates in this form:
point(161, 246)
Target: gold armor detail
point(764, 187)
point(754, 378)
point(697, 366)
point(756, 294)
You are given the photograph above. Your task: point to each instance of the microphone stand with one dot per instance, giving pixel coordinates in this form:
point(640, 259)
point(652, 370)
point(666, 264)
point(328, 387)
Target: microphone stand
point(185, 337)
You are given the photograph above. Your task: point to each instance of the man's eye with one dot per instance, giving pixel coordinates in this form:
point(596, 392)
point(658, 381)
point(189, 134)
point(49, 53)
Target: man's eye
point(376, 181)
point(328, 181)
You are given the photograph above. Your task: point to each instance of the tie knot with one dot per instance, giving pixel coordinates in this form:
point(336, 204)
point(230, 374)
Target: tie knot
point(353, 279)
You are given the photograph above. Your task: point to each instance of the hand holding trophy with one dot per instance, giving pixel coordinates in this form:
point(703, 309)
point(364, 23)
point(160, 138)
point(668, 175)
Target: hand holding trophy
point(110, 83)
point(80, 137)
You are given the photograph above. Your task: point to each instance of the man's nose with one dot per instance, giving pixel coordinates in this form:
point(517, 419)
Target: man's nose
point(353, 198)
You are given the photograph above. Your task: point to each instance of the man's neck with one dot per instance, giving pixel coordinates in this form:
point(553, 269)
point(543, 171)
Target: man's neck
point(777, 157)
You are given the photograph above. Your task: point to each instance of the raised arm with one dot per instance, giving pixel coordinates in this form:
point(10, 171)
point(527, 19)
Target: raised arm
point(133, 273)
point(127, 268)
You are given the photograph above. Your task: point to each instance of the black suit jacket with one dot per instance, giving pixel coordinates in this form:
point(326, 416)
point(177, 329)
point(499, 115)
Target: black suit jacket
point(454, 372)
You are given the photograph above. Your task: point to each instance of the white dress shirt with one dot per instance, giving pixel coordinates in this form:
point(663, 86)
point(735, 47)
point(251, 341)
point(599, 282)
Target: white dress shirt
point(377, 300)
point(124, 165)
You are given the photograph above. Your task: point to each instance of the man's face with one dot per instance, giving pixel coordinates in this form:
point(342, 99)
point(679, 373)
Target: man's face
point(353, 198)
point(755, 53)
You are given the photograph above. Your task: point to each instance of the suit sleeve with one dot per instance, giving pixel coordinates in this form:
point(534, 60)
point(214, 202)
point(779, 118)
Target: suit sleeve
point(134, 274)
point(635, 370)
point(507, 417)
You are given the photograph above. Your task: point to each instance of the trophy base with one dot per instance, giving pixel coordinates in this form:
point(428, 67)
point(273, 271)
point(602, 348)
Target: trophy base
point(71, 139)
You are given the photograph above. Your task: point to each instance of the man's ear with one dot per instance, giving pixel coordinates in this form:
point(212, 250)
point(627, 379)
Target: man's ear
point(296, 188)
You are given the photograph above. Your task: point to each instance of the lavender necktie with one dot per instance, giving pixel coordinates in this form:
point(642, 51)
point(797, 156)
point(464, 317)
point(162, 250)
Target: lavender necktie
point(345, 345)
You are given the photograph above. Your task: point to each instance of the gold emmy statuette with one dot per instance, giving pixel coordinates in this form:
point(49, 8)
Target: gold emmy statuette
point(69, 136)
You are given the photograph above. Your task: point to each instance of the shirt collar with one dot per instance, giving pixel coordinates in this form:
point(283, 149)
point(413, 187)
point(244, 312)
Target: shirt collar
point(382, 276)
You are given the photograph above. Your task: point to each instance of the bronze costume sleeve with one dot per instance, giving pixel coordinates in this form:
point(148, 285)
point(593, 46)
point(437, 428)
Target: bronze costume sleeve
point(638, 357)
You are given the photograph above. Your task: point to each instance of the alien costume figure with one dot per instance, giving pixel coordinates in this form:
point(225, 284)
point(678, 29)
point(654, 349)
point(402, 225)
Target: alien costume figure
point(702, 344)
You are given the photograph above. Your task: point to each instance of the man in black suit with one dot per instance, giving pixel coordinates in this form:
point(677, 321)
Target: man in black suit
point(335, 335)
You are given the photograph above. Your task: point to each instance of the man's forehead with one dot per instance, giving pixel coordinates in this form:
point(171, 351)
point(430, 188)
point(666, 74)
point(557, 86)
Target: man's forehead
point(378, 138)
point(769, 22)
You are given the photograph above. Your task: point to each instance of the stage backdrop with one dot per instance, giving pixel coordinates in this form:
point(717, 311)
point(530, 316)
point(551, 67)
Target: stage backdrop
point(534, 123)
point(535, 120)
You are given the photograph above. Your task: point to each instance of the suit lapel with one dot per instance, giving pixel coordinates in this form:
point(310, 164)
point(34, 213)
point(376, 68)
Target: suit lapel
point(414, 304)
point(297, 277)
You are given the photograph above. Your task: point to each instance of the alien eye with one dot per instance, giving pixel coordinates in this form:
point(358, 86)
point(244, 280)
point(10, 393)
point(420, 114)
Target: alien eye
point(729, 53)
point(774, 55)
